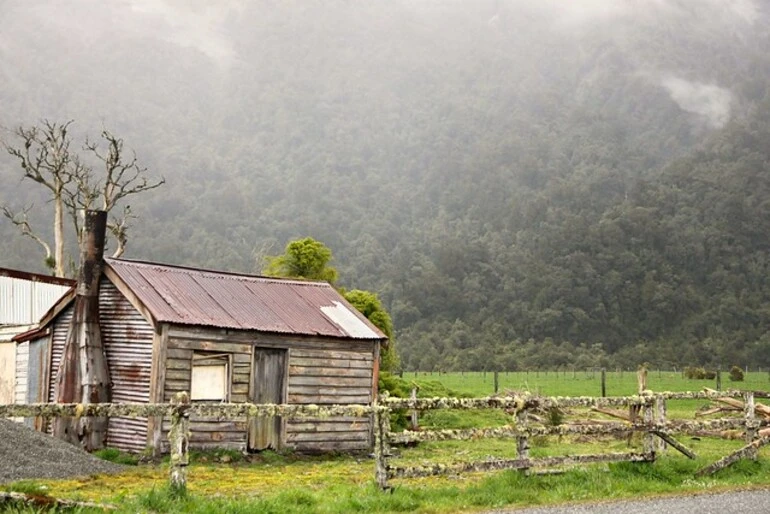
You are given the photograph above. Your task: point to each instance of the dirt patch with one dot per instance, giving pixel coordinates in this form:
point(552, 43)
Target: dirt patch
point(27, 454)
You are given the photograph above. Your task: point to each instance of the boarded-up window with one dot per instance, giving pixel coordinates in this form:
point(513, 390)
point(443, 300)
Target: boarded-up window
point(210, 377)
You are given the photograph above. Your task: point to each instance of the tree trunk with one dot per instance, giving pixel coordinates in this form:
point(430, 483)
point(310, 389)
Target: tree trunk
point(84, 375)
point(58, 233)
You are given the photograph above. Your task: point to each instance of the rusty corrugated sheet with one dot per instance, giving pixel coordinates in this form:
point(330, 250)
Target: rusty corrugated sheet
point(209, 298)
point(127, 337)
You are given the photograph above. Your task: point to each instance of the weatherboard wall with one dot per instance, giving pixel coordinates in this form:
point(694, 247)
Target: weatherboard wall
point(320, 371)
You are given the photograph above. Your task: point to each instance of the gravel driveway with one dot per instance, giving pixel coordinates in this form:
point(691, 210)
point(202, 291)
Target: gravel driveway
point(739, 502)
point(26, 454)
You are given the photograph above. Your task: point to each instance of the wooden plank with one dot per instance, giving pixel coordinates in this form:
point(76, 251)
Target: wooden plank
point(331, 446)
point(269, 387)
point(331, 363)
point(261, 339)
point(330, 391)
point(176, 353)
point(239, 388)
point(157, 385)
point(334, 419)
point(176, 385)
point(364, 354)
point(178, 374)
point(315, 381)
point(209, 346)
point(219, 445)
point(239, 397)
point(178, 364)
point(309, 399)
point(306, 426)
point(242, 358)
point(218, 426)
point(316, 372)
point(296, 437)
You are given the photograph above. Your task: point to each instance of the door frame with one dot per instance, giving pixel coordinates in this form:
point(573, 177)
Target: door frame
point(283, 389)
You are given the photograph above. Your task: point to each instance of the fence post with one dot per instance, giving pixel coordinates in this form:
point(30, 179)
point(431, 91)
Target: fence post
point(414, 414)
point(660, 421)
point(604, 383)
point(719, 379)
point(751, 422)
point(381, 451)
point(649, 423)
point(496, 381)
point(178, 438)
point(522, 442)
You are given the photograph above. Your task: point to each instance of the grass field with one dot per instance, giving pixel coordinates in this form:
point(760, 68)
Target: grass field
point(289, 483)
point(578, 383)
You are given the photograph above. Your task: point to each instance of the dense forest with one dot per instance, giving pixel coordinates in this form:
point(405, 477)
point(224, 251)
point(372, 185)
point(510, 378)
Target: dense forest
point(524, 184)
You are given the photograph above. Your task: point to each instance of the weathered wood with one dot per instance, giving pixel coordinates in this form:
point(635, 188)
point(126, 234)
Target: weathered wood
point(747, 451)
point(208, 346)
point(329, 391)
point(328, 399)
point(46, 502)
point(331, 363)
point(326, 372)
point(325, 426)
point(675, 444)
point(612, 413)
point(300, 380)
point(178, 374)
point(500, 464)
point(268, 387)
point(179, 364)
point(361, 354)
point(84, 375)
point(335, 446)
point(157, 386)
point(262, 340)
point(313, 437)
point(522, 442)
point(177, 353)
point(179, 441)
point(751, 423)
point(381, 419)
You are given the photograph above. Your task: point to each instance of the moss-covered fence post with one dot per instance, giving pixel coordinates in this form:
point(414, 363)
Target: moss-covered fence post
point(660, 420)
point(178, 438)
point(522, 442)
point(752, 425)
point(381, 447)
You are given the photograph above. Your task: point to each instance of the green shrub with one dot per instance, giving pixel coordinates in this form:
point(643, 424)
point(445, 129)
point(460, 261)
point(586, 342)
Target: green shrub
point(117, 456)
point(736, 374)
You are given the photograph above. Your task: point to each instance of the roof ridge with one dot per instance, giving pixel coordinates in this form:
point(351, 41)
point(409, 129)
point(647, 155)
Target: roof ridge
point(223, 274)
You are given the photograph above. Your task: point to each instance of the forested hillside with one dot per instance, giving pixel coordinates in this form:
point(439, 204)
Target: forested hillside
point(523, 183)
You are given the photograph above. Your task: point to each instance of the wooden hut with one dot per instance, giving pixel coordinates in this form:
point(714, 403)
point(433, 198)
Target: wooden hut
point(225, 337)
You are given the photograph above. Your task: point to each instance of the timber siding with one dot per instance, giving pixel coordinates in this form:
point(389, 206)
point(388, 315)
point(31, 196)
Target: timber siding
point(325, 376)
point(321, 371)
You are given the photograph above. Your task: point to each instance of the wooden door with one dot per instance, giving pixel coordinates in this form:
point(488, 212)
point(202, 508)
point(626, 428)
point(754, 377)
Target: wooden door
point(269, 382)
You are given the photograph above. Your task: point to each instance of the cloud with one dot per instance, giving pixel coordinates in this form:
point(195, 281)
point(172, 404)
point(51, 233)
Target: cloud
point(708, 100)
point(199, 26)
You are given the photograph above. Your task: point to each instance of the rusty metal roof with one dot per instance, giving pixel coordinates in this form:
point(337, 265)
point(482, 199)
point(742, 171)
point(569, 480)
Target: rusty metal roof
point(189, 296)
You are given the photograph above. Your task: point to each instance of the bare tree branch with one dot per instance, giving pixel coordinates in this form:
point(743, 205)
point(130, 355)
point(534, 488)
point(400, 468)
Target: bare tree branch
point(118, 227)
point(21, 221)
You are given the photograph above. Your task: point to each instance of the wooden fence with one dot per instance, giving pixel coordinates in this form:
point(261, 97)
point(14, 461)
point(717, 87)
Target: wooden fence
point(649, 419)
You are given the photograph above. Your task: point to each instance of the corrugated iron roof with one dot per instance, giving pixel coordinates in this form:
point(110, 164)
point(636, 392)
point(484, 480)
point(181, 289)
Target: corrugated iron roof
point(191, 296)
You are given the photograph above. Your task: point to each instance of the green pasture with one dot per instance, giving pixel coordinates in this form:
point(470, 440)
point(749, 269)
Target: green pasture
point(578, 383)
point(289, 483)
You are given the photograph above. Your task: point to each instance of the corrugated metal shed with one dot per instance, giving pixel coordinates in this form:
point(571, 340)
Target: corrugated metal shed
point(25, 297)
point(188, 296)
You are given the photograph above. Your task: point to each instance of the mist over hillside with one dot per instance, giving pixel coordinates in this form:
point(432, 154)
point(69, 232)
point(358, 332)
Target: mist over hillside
point(523, 183)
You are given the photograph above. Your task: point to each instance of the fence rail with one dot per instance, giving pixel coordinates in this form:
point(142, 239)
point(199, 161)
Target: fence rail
point(649, 419)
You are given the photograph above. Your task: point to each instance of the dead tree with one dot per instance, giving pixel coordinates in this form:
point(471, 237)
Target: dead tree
point(83, 375)
point(45, 158)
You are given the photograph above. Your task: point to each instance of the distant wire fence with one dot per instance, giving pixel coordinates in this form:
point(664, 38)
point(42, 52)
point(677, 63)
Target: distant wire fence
point(498, 380)
point(648, 409)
